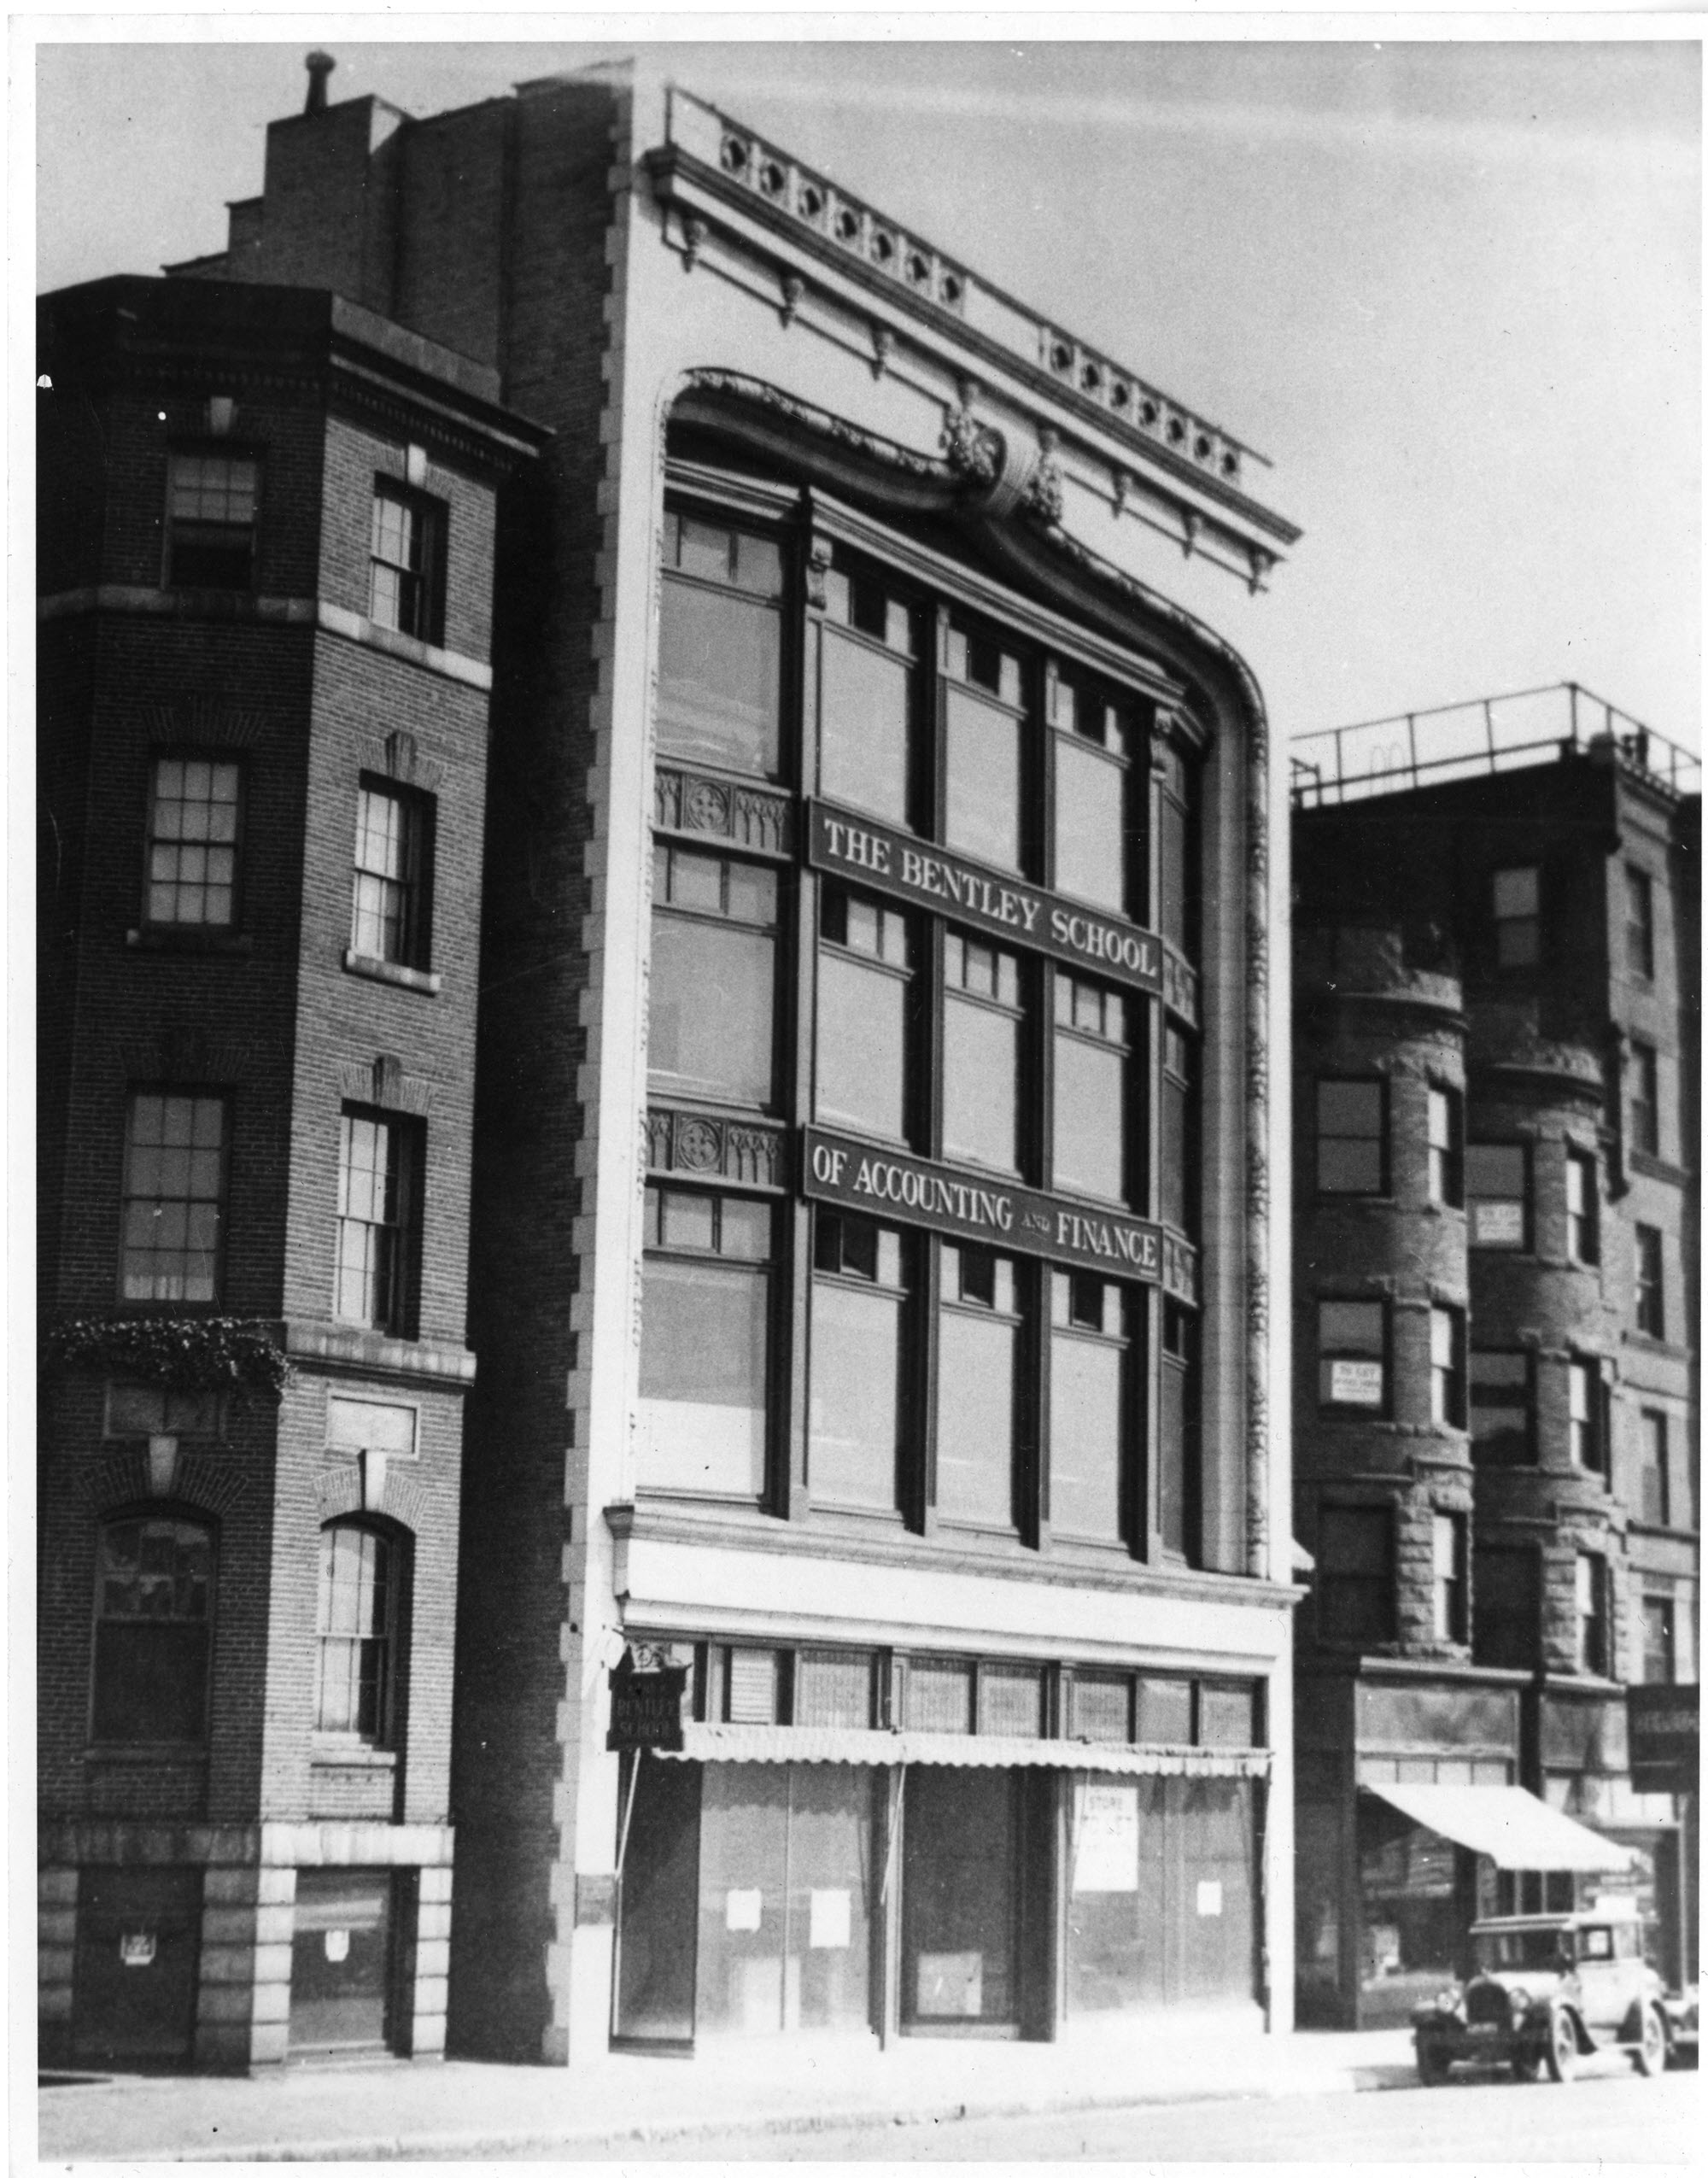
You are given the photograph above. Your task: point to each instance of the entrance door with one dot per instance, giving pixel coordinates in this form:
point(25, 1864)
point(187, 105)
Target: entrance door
point(341, 1966)
point(962, 1835)
point(133, 1993)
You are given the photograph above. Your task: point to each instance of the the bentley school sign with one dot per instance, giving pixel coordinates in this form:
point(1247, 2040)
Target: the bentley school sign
point(906, 868)
point(645, 1706)
point(889, 1182)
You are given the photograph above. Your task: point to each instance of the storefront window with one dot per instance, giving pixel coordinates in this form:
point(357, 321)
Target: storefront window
point(1414, 1916)
point(720, 647)
point(340, 1959)
point(1090, 1141)
point(1087, 1359)
point(657, 1915)
point(705, 1343)
point(865, 975)
point(981, 1028)
point(864, 688)
point(978, 1342)
point(982, 731)
point(713, 977)
point(1090, 749)
point(858, 1304)
point(961, 1897)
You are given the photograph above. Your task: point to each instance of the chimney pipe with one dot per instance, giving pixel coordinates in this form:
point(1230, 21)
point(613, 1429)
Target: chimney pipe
point(319, 66)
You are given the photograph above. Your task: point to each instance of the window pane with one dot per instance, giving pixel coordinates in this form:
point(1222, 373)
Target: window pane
point(720, 664)
point(982, 811)
point(1517, 893)
point(862, 1041)
point(855, 1364)
point(1091, 821)
point(1084, 1437)
point(863, 728)
point(975, 1419)
point(1350, 1107)
point(981, 1073)
point(711, 1009)
point(1349, 1168)
point(1350, 1326)
point(173, 1198)
point(1091, 1086)
point(703, 1346)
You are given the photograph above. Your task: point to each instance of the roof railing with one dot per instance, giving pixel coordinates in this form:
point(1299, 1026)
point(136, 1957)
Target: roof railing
point(1472, 740)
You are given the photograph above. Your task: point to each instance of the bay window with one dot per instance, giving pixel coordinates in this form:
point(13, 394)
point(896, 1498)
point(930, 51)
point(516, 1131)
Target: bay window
point(1088, 1345)
point(864, 978)
point(705, 1343)
point(979, 1325)
point(981, 1052)
point(1089, 1155)
point(714, 976)
point(859, 1298)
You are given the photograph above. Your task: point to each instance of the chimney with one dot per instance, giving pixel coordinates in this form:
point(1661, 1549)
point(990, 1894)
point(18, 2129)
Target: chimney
point(319, 66)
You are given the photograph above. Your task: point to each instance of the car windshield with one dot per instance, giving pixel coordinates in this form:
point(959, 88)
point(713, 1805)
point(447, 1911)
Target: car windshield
point(1533, 1947)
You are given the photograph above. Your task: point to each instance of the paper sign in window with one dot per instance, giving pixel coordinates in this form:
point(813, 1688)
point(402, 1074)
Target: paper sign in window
point(1106, 1840)
point(136, 1949)
point(1209, 1901)
point(1497, 1224)
point(829, 1925)
point(337, 1945)
point(1355, 1384)
point(741, 1912)
point(951, 1984)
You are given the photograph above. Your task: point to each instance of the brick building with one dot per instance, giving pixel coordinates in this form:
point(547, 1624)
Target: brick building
point(870, 1237)
point(1496, 1265)
point(265, 556)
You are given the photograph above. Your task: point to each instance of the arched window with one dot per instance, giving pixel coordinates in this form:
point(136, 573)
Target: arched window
point(357, 1667)
point(154, 1616)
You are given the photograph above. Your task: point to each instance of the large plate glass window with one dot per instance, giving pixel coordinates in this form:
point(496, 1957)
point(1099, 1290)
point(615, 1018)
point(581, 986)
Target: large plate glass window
point(1092, 1031)
point(982, 1017)
point(865, 693)
point(983, 725)
point(713, 977)
point(859, 1299)
point(1088, 1350)
point(720, 646)
point(705, 1343)
point(865, 963)
point(978, 1329)
point(1092, 742)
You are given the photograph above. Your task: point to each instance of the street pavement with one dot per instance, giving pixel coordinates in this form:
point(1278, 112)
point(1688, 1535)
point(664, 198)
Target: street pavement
point(1151, 2098)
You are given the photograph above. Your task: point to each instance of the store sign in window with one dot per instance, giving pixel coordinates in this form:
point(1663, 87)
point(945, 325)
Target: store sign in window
point(1106, 1838)
point(1355, 1384)
point(1497, 1224)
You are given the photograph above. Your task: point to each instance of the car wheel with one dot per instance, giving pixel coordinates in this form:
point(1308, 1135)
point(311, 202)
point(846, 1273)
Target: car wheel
point(1433, 2067)
point(1561, 2054)
point(1650, 2053)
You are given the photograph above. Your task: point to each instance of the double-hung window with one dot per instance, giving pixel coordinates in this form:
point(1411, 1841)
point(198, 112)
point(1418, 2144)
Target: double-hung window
point(1582, 1224)
point(865, 981)
point(1593, 1655)
point(984, 735)
point(1654, 1481)
point(1584, 1402)
point(1505, 1607)
point(390, 907)
point(153, 1625)
point(1497, 1178)
point(1351, 1354)
point(1502, 1409)
point(1355, 1573)
point(1352, 1134)
point(1446, 1145)
point(1645, 1101)
point(194, 803)
point(1091, 743)
point(978, 1342)
point(1088, 1347)
point(859, 1312)
point(705, 1343)
point(867, 652)
point(1447, 1367)
point(1660, 1642)
point(1176, 1187)
point(720, 646)
point(1448, 1538)
point(713, 977)
point(1517, 916)
point(982, 1023)
point(174, 1206)
point(356, 1660)
point(380, 1220)
point(212, 503)
point(1639, 952)
point(1650, 1286)
point(407, 562)
point(1089, 1149)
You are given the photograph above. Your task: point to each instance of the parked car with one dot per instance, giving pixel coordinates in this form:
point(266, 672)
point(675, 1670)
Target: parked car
point(1681, 2011)
point(1545, 1990)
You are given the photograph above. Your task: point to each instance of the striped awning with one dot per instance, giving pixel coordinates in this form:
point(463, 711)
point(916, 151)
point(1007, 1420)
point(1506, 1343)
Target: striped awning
point(956, 1751)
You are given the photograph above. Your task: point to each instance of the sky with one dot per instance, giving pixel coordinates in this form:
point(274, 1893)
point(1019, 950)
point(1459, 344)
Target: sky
point(1451, 290)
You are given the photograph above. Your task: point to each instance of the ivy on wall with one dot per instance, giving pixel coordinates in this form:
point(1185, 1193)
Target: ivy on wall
point(189, 1353)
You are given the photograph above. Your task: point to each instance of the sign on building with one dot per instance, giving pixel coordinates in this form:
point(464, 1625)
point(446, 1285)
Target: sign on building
point(1664, 1729)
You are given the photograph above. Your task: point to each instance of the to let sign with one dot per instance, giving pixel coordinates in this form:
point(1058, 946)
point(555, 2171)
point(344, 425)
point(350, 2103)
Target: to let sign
point(646, 1709)
point(1663, 1724)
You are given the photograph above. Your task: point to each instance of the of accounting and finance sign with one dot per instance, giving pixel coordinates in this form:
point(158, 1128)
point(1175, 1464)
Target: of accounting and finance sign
point(919, 875)
point(906, 1189)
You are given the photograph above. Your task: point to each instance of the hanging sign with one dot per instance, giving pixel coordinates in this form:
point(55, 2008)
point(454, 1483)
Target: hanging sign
point(647, 1706)
point(912, 1191)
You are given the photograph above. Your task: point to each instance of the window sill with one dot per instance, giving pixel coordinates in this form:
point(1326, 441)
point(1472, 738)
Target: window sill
point(335, 1751)
point(429, 982)
point(1653, 1167)
point(150, 1753)
point(189, 938)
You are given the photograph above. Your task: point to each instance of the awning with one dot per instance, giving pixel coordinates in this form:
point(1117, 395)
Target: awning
point(956, 1751)
point(1513, 1827)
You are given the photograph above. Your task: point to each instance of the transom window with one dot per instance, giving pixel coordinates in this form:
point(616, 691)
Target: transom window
point(193, 805)
point(713, 977)
point(1089, 1153)
point(1352, 1138)
point(1351, 1348)
point(705, 1343)
point(153, 1618)
point(211, 509)
point(389, 907)
point(981, 1052)
point(1446, 1143)
point(405, 578)
point(720, 646)
point(162, 1410)
point(174, 1196)
point(1497, 1178)
point(1517, 900)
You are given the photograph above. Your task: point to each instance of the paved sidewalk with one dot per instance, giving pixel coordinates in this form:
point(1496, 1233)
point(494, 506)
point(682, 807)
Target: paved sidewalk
point(365, 2113)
